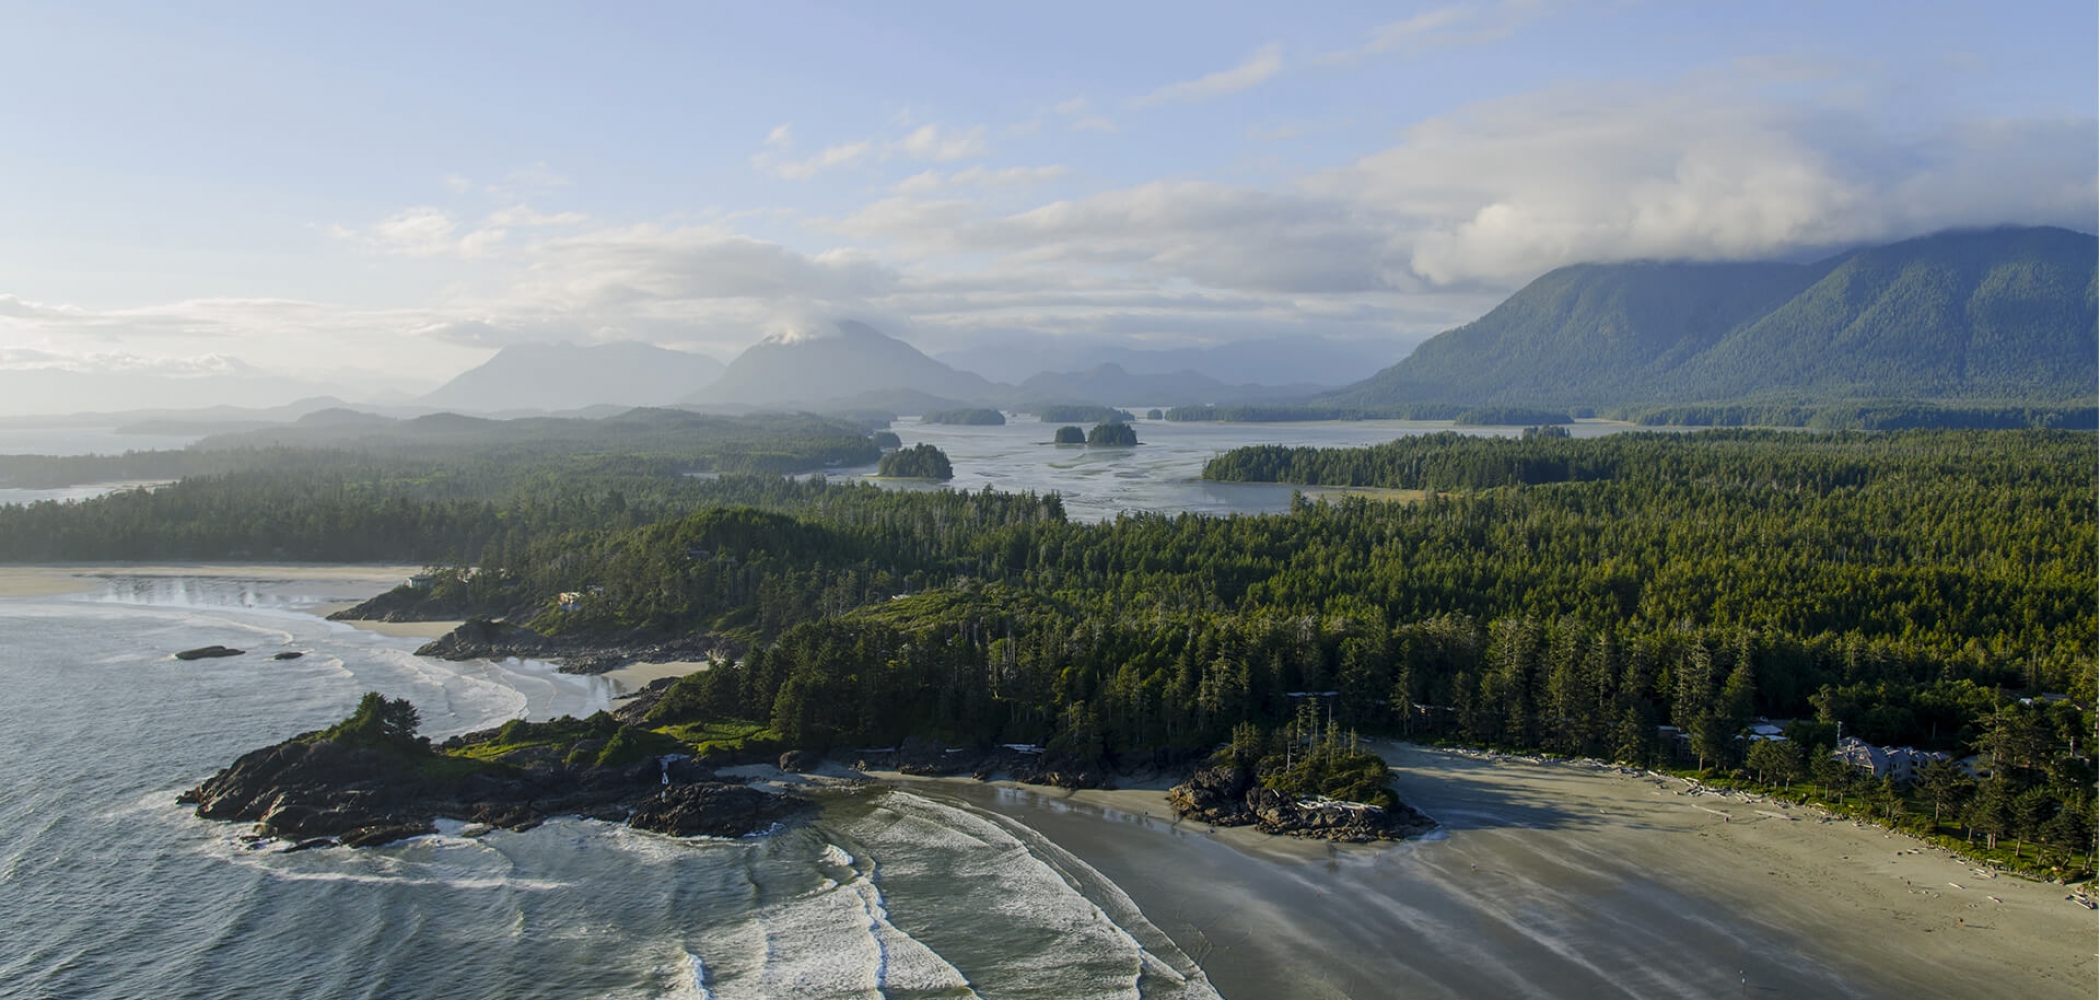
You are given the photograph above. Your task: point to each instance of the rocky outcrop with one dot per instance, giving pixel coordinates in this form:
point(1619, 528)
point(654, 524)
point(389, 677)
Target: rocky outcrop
point(290, 654)
point(1229, 796)
point(929, 758)
point(408, 604)
point(208, 652)
point(1214, 795)
point(801, 761)
point(593, 653)
point(636, 709)
point(310, 787)
point(712, 809)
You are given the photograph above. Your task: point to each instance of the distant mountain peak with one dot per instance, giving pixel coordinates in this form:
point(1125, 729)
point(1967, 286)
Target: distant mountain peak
point(810, 367)
point(565, 376)
point(2001, 314)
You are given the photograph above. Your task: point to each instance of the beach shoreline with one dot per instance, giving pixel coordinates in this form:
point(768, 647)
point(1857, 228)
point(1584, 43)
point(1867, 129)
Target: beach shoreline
point(1567, 879)
point(61, 579)
point(1546, 877)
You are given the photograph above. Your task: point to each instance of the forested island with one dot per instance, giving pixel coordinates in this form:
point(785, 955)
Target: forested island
point(1069, 435)
point(920, 461)
point(1922, 588)
point(977, 416)
point(1112, 435)
point(1082, 413)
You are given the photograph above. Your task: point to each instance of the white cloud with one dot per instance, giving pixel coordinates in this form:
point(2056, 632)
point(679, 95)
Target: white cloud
point(526, 215)
point(1266, 62)
point(193, 366)
point(421, 231)
point(1395, 245)
point(1093, 123)
point(839, 155)
point(928, 142)
point(1507, 189)
point(427, 231)
point(1454, 26)
point(929, 181)
point(912, 222)
point(923, 182)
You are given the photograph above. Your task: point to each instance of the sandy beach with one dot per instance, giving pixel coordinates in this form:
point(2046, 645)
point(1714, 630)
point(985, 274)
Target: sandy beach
point(1548, 879)
point(346, 584)
point(1570, 880)
point(632, 678)
point(398, 630)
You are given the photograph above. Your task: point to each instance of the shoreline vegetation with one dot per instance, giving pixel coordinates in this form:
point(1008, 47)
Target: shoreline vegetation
point(1841, 416)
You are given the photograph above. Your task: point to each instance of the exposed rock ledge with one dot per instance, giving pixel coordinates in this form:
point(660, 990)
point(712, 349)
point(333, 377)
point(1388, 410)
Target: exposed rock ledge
point(594, 653)
point(309, 787)
point(1228, 796)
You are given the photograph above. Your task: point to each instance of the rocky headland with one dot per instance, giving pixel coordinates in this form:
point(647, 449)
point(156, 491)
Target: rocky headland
point(347, 785)
point(592, 653)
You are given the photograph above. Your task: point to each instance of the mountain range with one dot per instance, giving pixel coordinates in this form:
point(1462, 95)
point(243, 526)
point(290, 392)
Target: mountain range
point(838, 369)
point(1999, 315)
point(552, 377)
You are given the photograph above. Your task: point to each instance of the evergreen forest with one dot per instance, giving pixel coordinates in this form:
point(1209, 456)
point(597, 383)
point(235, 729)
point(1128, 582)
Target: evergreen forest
point(1549, 593)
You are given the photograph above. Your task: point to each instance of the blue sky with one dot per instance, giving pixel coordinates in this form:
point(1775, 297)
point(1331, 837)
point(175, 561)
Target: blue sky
point(382, 194)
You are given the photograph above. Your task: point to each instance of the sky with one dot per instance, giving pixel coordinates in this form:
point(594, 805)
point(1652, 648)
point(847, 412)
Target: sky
point(379, 195)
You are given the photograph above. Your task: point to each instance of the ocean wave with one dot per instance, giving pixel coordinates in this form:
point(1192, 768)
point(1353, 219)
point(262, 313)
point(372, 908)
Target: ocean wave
point(1010, 908)
point(831, 941)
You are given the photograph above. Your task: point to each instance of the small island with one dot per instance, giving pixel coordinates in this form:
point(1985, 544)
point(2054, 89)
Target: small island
point(1070, 435)
point(920, 461)
point(1112, 435)
point(886, 440)
point(1154, 414)
point(970, 417)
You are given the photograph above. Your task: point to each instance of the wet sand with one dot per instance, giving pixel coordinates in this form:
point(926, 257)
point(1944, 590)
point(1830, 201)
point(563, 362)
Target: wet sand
point(632, 678)
point(1567, 880)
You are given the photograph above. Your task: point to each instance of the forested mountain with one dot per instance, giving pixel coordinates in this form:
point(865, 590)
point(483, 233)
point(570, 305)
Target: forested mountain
point(2001, 315)
point(814, 369)
point(568, 377)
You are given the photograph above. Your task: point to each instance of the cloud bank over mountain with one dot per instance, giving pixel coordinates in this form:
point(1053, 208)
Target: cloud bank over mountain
point(1200, 202)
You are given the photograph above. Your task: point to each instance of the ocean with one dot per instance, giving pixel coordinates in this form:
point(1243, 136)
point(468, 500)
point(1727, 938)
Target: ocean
point(108, 889)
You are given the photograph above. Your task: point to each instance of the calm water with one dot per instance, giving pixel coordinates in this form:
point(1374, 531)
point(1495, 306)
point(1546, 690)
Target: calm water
point(108, 889)
point(77, 441)
point(1163, 473)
